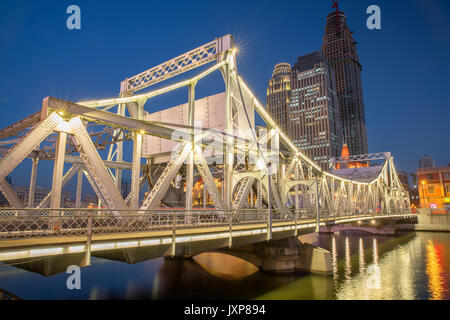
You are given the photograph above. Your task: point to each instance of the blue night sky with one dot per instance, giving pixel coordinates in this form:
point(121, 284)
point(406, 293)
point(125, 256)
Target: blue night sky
point(405, 75)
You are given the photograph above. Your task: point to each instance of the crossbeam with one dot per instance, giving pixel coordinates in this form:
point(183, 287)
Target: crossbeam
point(185, 62)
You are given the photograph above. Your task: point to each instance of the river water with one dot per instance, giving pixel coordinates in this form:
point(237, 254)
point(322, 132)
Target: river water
point(408, 266)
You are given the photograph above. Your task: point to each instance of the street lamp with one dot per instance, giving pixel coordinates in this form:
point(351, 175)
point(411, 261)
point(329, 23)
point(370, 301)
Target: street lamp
point(423, 182)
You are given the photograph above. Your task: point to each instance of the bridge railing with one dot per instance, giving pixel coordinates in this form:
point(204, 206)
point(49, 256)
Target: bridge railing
point(37, 223)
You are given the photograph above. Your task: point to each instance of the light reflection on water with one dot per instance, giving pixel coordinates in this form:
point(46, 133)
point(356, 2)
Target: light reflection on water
point(362, 263)
point(348, 261)
point(412, 266)
point(434, 270)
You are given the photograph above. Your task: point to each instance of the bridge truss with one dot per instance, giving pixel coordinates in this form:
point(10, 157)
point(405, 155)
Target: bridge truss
point(281, 179)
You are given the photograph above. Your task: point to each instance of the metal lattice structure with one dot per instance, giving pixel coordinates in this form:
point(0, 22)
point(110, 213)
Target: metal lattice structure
point(284, 181)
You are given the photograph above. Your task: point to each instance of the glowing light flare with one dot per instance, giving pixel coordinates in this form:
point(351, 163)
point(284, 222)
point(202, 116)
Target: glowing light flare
point(259, 164)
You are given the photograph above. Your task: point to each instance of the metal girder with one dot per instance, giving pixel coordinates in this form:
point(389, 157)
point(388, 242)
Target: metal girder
point(208, 179)
point(259, 195)
point(107, 190)
point(155, 195)
point(115, 120)
point(105, 117)
point(76, 159)
point(185, 62)
point(58, 168)
point(31, 190)
point(135, 171)
point(361, 158)
point(109, 164)
point(290, 168)
point(27, 144)
point(10, 194)
point(385, 187)
point(66, 178)
point(190, 163)
point(15, 128)
point(242, 192)
point(79, 189)
point(128, 99)
point(93, 183)
point(276, 195)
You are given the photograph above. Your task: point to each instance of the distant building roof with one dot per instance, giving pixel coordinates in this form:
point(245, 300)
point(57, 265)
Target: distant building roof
point(360, 174)
point(426, 162)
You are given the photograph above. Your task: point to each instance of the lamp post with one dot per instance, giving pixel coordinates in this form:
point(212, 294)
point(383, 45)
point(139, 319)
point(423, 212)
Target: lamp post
point(423, 182)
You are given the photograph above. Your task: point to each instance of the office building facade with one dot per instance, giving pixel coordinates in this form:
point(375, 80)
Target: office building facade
point(434, 187)
point(314, 110)
point(278, 95)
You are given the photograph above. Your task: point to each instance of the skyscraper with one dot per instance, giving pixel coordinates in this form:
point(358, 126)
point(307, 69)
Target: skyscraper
point(339, 49)
point(314, 111)
point(278, 95)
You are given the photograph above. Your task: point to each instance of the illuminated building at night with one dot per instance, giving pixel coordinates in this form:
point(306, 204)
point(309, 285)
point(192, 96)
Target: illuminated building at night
point(339, 49)
point(278, 95)
point(314, 111)
point(434, 187)
point(345, 155)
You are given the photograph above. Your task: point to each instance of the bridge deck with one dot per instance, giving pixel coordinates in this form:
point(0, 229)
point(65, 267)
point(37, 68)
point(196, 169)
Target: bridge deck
point(55, 245)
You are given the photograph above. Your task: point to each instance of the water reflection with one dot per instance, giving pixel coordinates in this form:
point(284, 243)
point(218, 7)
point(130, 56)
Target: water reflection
point(434, 271)
point(225, 266)
point(375, 251)
point(411, 266)
point(362, 263)
point(348, 262)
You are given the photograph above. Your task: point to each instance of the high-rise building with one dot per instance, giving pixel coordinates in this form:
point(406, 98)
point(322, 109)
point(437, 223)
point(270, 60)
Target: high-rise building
point(278, 95)
point(339, 49)
point(314, 111)
point(426, 162)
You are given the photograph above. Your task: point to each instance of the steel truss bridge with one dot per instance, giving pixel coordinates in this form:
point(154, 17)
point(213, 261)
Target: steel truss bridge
point(282, 188)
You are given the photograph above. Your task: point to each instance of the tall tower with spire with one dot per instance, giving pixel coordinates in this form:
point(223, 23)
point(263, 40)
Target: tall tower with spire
point(339, 49)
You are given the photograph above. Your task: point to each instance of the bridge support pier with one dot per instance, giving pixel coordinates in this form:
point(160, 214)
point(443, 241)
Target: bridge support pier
point(285, 256)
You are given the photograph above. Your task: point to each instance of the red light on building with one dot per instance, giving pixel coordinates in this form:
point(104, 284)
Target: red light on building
point(345, 155)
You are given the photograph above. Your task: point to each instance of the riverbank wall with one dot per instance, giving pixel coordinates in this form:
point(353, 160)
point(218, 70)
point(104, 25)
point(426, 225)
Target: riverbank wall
point(429, 220)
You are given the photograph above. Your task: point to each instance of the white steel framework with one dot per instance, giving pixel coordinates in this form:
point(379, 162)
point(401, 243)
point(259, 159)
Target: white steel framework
point(291, 184)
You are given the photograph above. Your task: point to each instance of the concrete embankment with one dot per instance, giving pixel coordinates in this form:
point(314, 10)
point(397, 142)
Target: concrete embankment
point(428, 221)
